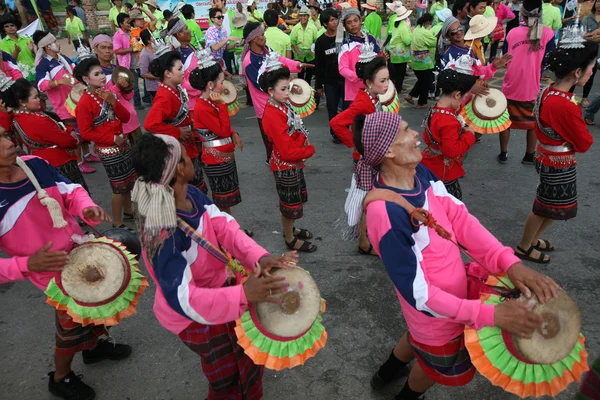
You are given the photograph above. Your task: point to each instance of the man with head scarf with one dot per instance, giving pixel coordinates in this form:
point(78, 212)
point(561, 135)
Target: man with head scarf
point(426, 269)
point(528, 44)
point(349, 38)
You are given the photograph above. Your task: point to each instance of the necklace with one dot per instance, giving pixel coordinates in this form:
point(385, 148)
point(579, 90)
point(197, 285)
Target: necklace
point(209, 101)
point(93, 97)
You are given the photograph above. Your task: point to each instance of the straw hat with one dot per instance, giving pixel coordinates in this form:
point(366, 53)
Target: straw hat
point(481, 26)
point(393, 6)
point(402, 13)
point(239, 20)
point(304, 11)
point(371, 5)
point(152, 3)
point(443, 14)
point(136, 14)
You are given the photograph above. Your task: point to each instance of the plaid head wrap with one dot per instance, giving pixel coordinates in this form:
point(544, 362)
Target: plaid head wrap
point(155, 201)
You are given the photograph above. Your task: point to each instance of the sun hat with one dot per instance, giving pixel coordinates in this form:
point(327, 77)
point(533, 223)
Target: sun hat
point(481, 26)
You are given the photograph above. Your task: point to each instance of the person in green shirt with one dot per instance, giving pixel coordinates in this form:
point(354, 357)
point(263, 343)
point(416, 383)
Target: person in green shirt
point(277, 41)
point(303, 38)
point(315, 11)
point(551, 16)
point(438, 5)
point(372, 22)
point(115, 10)
point(154, 10)
point(400, 46)
point(189, 17)
point(254, 14)
point(423, 59)
point(489, 12)
point(238, 22)
point(19, 47)
point(74, 27)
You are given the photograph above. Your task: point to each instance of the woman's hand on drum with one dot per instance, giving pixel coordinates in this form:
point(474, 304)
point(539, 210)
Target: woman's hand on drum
point(515, 317)
point(267, 263)
point(95, 214)
point(480, 88)
point(525, 280)
point(261, 288)
point(47, 261)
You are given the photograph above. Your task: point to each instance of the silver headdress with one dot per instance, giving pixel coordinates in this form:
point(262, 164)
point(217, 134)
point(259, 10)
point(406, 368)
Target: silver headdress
point(160, 47)
point(5, 82)
point(83, 53)
point(367, 51)
point(572, 36)
point(271, 63)
point(205, 58)
point(462, 64)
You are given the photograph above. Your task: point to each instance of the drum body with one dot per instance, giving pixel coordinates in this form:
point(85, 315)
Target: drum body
point(73, 98)
point(487, 114)
point(230, 98)
point(302, 97)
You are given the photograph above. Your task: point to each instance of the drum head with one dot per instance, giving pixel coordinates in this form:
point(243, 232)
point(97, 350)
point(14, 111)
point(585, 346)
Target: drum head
point(96, 272)
point(491, 106)
point(229, 93)
point(122, 72)
point(559, 332)
point(77, 92)
point(388, 96)
point(300, 307)
point(300, 92)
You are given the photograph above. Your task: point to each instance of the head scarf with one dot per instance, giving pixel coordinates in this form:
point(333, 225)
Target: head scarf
point(379, 131)
point(536, 27)
point(155, 202)
point(102, 38)
point(172, 40)
point(443, 43)
point(340, 34)
point(258, 32)
point(45, 41)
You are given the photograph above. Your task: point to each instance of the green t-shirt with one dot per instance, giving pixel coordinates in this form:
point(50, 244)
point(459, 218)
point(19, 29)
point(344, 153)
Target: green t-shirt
point(400, 43)
point(196, 33)
point(113, 12)
point(551, 17)
point(278, 41)
point(238, 32)
point(257, 14)
point(423, 49)
point(159, 23)
point(74, 27)
point(489, 12)
point(373, 24)
point(25, 56)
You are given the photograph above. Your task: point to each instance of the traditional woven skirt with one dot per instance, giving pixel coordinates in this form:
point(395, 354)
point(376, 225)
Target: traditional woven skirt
point(72, 172)
point(198, 180)
point(448, 365)
point(291, 188)
point(230, 372)
point(72, 337)
point(119, 167)
point(224, 183)
point(453, 187)
point(556, 193)
point(521, 114)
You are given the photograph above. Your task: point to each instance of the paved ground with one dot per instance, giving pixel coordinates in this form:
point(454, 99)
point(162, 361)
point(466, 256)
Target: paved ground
point(363, 317)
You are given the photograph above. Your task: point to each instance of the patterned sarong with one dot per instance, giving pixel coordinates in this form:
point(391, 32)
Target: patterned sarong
point(72, 172)
point(72, 337)
point(230, 372)
point(291, 188)
point(556, 196)
point(521, 114)
point(448, 365)
point(118, 164)
point(224, 183)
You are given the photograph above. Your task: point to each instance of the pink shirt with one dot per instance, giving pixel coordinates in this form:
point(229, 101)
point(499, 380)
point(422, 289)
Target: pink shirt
point(523, 73)
point(121, 41)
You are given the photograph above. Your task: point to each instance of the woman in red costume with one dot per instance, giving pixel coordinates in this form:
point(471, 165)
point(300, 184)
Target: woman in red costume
point(170, 112)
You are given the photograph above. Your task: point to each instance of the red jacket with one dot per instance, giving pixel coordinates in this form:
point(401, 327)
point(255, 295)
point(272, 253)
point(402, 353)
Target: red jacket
point(102, 135)
point(217, 121)
point(288, 148)
point(166, 105)
point(564, 117)
point(342, 123)
point(446, 131)
point(42, 129)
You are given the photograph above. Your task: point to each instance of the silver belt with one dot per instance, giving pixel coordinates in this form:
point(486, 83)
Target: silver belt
point(217, 143)
point(563, 148)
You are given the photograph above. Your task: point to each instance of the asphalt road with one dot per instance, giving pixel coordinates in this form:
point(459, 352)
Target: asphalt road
point(363, 316)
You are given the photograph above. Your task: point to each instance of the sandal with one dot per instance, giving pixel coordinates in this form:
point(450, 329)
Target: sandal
point(369, 252)
point(546, 243)
point(123, 226)
point(248, 232)
point(409, 99)
point(526, 255)
point(589, 121)
point(301, 233)
point(128, 216)
point(307, 247)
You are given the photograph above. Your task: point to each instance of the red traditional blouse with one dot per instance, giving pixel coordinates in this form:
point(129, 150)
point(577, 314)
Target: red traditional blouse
point(89, 110)
point(289, 149)
point(342, 123)
point(44, 137)
point(165, 107)
point(213, 124)
point(446, 145)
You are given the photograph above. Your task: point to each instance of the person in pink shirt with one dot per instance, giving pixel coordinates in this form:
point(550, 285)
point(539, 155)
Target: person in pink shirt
point(9, 67)
point(197, 298)
point(38, 254)
point(429, 275)
point(253, 57)
point(521, 83)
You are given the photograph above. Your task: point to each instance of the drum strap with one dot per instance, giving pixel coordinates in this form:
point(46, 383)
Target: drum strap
point(219, 253)
point(420, 216)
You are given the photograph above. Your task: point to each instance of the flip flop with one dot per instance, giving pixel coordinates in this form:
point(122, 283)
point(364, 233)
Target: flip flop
point(546, 243)
point(409, 99)
point(128, 216)
point(527, 256)
point(302, 233)
point(590, 122)
point(369, 252)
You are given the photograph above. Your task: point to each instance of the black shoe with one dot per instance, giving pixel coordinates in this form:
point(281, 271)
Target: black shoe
point(71, 387)
point(148, 100)
point(106, 350)
point(528, 159)
point(378, 383)
point(502, 158)
point(336, 140)
point(267, 163)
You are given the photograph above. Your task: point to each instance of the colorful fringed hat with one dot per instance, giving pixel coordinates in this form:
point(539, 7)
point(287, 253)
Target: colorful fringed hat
point(101, 284)
point(285, 335)
point(495, 356)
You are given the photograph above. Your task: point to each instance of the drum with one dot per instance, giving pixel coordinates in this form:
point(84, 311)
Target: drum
point(302, 97)
point(389, 100)
point(285, 335)
point(230, 97)
point(122, 72)
point(100, 285)
point(487, 114)
point(73, 98)
point(544, 365)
